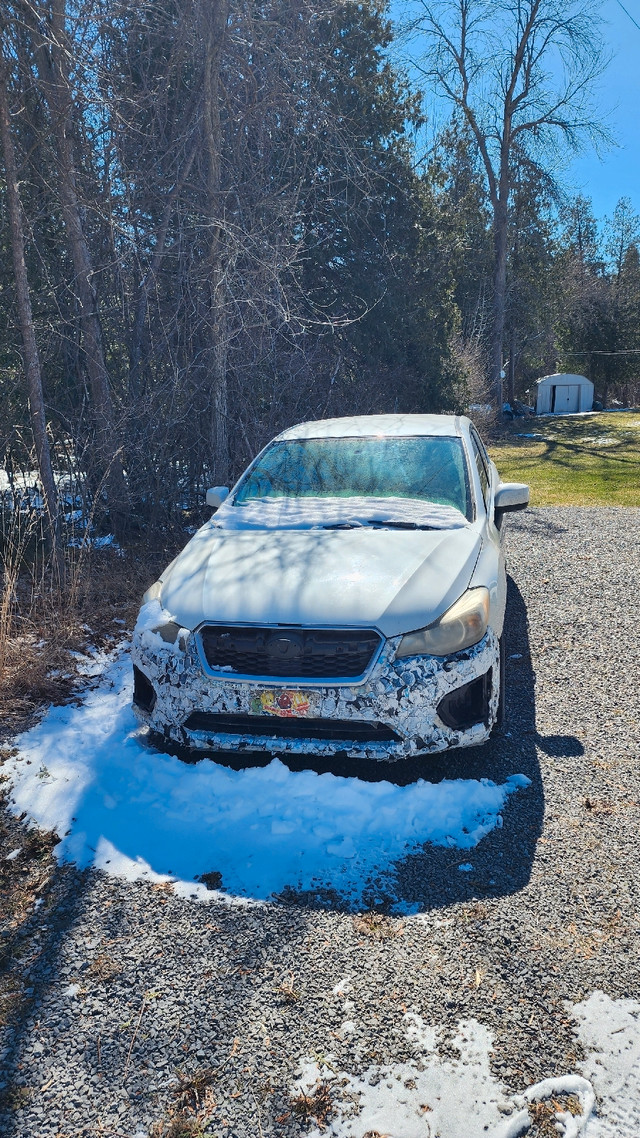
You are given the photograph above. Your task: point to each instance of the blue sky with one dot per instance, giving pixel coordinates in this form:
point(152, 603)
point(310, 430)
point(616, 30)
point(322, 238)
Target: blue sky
point(616, 172)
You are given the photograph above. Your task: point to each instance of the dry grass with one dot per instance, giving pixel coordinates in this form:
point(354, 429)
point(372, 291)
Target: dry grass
point(543, 1114)
point(585, 941)
point(315, 1107)
point(191, 1091)
point(43, 627)
point(181, 1126)
point(288, 990)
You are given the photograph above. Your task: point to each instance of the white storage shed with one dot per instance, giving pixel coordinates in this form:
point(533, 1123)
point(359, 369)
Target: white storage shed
point(563, 394)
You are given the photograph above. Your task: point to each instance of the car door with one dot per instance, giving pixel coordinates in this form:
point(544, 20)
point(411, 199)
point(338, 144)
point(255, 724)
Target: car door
point(489, 478)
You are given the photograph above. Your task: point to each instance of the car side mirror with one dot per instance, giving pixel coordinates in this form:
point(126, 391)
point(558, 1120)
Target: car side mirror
point(510, 496)
point(216, 496)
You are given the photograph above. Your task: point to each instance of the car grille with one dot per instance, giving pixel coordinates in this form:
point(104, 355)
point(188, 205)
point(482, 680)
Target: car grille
point(294, 653)
point(283, 728)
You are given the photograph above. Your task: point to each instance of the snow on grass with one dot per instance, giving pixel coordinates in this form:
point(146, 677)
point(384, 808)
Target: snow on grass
point(119, 805)
point(432, 1094)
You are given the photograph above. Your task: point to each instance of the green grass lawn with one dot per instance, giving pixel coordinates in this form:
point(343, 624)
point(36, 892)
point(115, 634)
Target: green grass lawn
point(578, 461)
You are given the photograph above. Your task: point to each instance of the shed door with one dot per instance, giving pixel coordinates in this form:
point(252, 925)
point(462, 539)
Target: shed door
point(566, 399)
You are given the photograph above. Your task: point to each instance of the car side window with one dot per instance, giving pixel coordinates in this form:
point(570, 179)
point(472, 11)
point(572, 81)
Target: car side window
point(480, 461)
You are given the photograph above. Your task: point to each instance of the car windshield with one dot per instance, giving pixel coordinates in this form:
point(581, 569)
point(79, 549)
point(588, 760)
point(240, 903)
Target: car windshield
point(427, 468)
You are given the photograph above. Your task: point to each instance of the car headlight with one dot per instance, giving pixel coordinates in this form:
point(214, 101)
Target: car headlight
point(152, 593)
point(464, 624)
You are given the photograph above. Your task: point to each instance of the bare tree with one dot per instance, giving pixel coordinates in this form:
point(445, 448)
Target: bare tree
point(25, 316)
point(521, 74)
point(214, 15)
point(53, 59)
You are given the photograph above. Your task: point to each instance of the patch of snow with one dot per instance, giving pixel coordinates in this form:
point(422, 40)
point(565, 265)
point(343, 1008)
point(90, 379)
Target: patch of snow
point(609, 1031)
point(342, 987)
point(118, 804)
point(429, 1096)
point(151, 616)
point(420, 1034)
point(601, 440)
point(14, 854)
point(108, 541)
point(466, 867)
point(92, 662)
point(435, 1095)
point(533, 435)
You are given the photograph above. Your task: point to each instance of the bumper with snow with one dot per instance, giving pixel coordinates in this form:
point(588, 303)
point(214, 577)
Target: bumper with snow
point(402, 708)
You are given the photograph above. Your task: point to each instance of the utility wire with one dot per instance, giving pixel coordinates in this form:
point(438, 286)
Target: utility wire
point(621, 352)
point(627, 13)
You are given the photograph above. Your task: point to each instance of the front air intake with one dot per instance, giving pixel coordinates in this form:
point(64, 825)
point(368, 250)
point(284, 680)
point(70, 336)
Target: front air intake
point(290, 653)
point(465, 706)
point(144, 696)
point(346, 730)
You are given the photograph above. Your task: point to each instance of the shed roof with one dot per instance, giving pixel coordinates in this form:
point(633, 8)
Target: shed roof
point(561, 377)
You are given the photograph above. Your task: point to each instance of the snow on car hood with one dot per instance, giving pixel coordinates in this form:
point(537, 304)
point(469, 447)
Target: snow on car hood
point(394, 580)
point(310, 513)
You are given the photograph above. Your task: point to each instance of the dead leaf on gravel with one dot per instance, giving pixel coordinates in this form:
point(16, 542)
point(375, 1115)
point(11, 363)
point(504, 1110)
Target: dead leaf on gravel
point(103, 968)
point(377, 926)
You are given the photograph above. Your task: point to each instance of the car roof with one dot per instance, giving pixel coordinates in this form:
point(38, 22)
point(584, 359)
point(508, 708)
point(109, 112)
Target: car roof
point(361, 426)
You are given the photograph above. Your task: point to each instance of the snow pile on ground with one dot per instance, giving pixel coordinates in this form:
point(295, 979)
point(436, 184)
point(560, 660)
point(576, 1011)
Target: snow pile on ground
point(435, 1095)
point(87, 773)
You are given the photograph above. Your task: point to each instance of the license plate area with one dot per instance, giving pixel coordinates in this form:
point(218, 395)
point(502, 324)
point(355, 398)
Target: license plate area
point(285, 703)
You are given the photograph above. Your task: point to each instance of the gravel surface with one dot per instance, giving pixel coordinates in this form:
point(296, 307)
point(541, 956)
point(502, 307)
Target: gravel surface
point(132, 1006)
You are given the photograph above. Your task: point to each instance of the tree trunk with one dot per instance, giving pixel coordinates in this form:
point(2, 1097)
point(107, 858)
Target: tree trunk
point(500, 221)
point(215, 14)
point(53, 73)
point(25, 315)
point(511, 377)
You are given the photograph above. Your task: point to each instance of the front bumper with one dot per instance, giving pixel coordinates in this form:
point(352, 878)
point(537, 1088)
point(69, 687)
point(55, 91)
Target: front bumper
point(419, 704)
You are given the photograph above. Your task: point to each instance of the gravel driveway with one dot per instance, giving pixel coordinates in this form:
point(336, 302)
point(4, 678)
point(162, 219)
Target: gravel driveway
point(140, 1007)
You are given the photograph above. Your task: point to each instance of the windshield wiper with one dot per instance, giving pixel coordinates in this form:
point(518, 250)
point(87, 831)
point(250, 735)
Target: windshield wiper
point(378, 523)
point(384, 523)
point(343, 525)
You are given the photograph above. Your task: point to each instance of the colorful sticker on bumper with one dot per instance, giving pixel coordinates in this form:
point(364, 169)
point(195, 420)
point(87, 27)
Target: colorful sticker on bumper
point(287, 704)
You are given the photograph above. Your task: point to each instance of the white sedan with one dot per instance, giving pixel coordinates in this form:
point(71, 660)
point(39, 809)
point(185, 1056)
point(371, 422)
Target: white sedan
point(346, 597)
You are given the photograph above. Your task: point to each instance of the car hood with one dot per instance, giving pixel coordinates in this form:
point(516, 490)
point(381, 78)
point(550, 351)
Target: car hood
point(393, 580)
